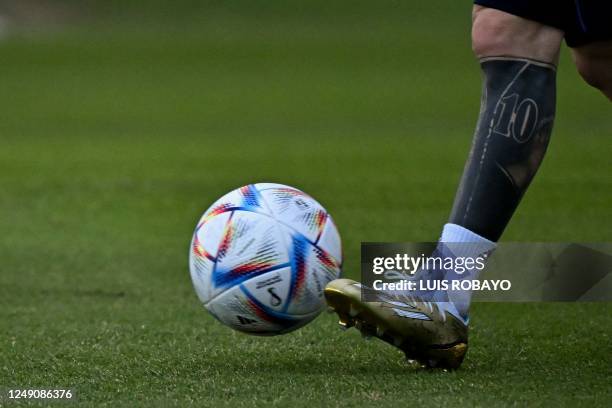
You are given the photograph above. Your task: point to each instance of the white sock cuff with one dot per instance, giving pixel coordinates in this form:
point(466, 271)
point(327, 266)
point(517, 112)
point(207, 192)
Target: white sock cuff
point(464, 243)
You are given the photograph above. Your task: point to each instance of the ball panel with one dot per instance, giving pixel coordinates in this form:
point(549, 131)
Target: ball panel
point(245, 198)
point(296, 209)
point(200, 268)
point(226, 203)
point(265, 186)
point(311, 269)
point(209, 234)
point(231, 308)
point(251, 245)
point(271, 289)
point(240, 310)
point(330, 240)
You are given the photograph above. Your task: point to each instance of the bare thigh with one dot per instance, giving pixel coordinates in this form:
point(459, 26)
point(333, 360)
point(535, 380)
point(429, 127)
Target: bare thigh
point(497, 33)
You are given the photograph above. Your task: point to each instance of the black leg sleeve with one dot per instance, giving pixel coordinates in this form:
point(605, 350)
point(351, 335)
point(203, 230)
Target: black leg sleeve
point(514, 127)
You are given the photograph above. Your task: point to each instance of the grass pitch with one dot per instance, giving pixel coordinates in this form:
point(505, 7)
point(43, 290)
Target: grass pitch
point(115, 136)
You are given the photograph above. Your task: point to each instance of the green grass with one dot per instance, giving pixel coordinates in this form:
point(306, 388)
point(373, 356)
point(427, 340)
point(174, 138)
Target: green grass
point(115, 136)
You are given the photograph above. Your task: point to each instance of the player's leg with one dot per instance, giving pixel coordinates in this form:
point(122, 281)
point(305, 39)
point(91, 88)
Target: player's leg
point(594, 63)
point(518, 59)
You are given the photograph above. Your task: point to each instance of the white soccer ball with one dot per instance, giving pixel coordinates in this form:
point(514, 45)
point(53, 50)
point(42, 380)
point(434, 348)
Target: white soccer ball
point(261, 256)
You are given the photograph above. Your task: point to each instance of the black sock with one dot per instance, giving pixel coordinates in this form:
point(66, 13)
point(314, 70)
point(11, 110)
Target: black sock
point(514, 127)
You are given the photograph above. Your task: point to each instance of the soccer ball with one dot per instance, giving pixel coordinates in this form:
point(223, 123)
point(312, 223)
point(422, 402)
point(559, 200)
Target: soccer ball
point(261, 256)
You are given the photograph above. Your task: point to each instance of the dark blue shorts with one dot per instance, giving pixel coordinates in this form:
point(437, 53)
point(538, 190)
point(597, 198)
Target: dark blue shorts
point(583, 21)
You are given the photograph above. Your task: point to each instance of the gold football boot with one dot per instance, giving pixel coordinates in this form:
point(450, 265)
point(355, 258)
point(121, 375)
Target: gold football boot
point(426, 332)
